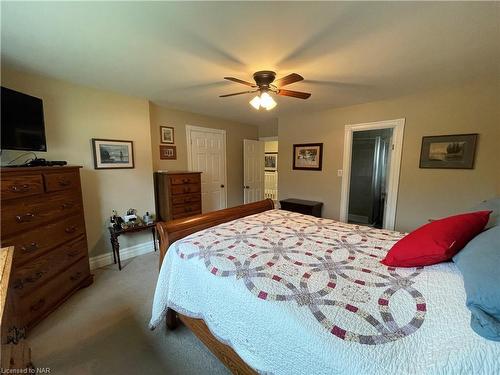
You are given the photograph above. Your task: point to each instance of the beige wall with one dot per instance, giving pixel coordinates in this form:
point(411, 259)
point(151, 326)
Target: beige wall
point(423, 193)
point(75, 114)
point(269, 129)
point(271, 146)
point(235, 133)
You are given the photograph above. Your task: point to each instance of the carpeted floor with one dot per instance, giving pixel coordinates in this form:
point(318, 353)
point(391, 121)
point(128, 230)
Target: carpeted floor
point(103, 329)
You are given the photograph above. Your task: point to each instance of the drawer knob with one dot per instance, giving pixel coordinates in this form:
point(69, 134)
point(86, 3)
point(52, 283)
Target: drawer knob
point(20, 188)
point(71, 229)
point(185, 180)
point(64, 182)
point(31, 247)
point(25, 218)
point(37, 306)
point(187, 190)
point(66, 205)
point(76, 276)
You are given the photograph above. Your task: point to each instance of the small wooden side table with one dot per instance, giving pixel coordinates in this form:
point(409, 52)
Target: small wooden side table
point(115, 233)
point(301, 206)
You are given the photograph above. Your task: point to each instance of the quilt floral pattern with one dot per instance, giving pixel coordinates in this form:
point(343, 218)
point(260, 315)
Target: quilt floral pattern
point(329, 269)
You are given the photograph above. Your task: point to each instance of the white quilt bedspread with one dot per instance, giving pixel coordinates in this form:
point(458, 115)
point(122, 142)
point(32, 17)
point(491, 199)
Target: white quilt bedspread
point(294, 294)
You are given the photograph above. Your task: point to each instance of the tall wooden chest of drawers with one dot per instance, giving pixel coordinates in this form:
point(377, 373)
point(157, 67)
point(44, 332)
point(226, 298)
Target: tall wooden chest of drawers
point(177, 194)
point(42, 217)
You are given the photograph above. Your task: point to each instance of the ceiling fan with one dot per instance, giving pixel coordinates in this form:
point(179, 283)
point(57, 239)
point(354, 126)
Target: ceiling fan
point(265, 83)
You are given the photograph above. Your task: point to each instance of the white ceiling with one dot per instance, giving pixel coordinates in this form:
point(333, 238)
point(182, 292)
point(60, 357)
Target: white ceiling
point(177, 53)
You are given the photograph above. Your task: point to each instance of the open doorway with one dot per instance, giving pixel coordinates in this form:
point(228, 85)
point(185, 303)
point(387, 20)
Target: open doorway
point(372, 156)
point(271, 168)
point(369, 170)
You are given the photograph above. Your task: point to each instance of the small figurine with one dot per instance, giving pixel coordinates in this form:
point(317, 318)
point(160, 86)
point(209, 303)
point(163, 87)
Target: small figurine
point(148, 219)
point(115, 221)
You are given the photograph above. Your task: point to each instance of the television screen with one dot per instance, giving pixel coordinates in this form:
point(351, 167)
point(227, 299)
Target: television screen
point(22, 124)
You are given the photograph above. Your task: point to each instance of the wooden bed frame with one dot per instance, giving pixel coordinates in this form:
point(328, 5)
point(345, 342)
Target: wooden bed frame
point(176, 229)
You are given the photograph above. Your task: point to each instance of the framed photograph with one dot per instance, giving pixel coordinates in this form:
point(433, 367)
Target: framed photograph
point(168, 152)
point(271, 161)
point(112, 154)
point(166, 134)
point(308, 156)
point(448, 151)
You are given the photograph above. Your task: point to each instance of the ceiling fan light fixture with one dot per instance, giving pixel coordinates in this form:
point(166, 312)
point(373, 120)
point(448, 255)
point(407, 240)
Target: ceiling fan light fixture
point(267, 101)
point(255, 102)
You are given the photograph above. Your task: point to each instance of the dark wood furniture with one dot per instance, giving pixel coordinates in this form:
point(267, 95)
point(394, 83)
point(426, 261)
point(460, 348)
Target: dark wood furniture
point(15, 352)
point(174, 230)
point(115, 233)
point(42, 217)
point(177, 194)
point(301, 206)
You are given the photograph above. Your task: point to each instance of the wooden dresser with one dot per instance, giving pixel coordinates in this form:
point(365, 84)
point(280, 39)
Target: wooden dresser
point(42, 217)
point(15, 353)
point(177, 194)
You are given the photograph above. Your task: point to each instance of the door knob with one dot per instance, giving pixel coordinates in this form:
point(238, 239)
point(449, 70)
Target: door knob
point(222, 185)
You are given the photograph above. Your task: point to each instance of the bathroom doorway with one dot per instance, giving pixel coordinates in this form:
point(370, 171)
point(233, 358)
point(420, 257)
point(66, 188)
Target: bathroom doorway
point(372, 156)
point(369, 169)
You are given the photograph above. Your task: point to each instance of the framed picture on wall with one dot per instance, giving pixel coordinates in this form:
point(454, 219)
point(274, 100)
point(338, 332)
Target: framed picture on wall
point(168, 152)
point(112, 154)
point(308, 156)
point(166, 134)
point(448, 151)
point(271, 161)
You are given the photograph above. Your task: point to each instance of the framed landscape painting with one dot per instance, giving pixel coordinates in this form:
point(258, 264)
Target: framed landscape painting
point(308, 156)
point(448, 151)
point(112, 154)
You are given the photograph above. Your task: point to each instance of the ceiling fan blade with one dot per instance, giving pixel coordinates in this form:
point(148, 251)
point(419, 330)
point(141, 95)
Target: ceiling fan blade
point(286, 80)
point(294, 94)
point(238, 93)
point(240, 81)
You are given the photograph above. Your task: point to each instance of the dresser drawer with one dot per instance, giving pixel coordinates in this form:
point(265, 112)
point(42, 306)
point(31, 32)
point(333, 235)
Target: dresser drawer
point(185, 189)
point(187, 208)
point(35, 273)
point(21, 186)
point(33, 211)
point(185, 179)
point(187, 198)
point(36, 304)
point(38, 241)
point(61, 181)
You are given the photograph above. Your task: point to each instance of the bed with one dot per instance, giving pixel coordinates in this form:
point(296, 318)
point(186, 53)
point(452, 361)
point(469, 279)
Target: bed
point(272, 291)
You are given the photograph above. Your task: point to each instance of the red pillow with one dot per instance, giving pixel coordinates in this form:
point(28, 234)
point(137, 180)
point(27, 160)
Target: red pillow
point(436, 241)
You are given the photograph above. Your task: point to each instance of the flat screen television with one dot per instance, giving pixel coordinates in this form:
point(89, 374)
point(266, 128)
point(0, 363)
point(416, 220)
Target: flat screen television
point(23, 126)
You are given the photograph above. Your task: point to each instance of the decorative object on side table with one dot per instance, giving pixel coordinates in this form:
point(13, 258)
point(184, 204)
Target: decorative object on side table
point(308, 156)
point(448, 151)
point(112, 154)
point(168, 152)
point(271, 161)
point(166, 134)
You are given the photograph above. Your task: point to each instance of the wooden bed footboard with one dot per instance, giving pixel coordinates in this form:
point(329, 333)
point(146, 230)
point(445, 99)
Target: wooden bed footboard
point(174, 230)
point(171, 231)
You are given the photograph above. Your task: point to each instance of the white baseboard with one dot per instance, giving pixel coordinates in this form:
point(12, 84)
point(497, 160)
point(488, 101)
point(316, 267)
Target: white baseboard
point(125, 253)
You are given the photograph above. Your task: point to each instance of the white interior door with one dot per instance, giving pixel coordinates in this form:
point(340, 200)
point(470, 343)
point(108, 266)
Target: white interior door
point(207, 154)
point(253, 161)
